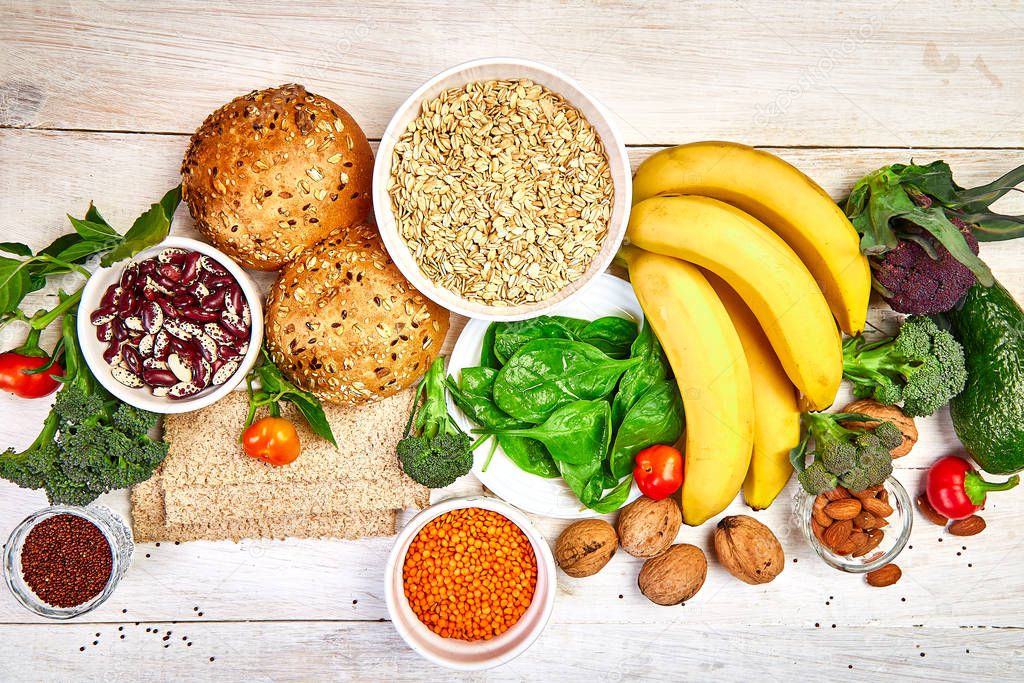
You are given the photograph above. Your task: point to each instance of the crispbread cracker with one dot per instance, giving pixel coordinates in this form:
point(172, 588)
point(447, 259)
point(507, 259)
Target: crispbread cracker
point(254, 501)
point(205, 450)
point(149, 522)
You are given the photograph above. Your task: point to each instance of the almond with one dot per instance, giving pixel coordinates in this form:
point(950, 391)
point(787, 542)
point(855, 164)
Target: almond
point(821, 517)
point(837, 534)
point(838, 493)
point(865, 520)
point(855, 542)
point(883, 496)
point(819, 530)
point(875, 537)
point(929, 512)
point(884, 576)
point(967, 527)
point(877, 507)
point(846, 508)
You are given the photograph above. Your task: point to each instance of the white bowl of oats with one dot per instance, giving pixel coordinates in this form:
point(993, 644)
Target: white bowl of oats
point(501, 189)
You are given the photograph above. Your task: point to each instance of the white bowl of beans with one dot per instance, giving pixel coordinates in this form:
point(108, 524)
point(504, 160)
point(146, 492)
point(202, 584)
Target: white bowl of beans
point(174, 329)
point(470, 583)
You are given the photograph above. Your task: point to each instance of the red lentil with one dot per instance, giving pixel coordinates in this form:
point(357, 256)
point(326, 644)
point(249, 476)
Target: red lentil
point(66, 560)
point(470, 574)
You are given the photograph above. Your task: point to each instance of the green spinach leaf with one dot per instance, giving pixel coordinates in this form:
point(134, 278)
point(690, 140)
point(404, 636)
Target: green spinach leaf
point(514, 335)
point(614, 499)
point(487, 357)
point(549, 373)
point(576, 433)
point(651, 368)
point(612, 335)
point(656, 418)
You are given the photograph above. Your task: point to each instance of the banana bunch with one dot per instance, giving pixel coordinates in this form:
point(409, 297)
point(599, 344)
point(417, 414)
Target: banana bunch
point(743, 266)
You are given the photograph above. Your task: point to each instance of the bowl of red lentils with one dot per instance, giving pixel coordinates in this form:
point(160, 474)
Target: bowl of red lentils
point(470, 583)
point(64, 561)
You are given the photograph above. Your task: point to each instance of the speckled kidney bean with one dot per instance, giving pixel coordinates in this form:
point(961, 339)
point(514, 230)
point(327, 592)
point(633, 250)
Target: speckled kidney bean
point(178, 323)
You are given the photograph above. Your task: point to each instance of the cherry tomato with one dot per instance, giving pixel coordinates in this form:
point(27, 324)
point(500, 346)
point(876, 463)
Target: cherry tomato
point(14, 379)
point(273, 440)
point(659, 471)
point(956, 490)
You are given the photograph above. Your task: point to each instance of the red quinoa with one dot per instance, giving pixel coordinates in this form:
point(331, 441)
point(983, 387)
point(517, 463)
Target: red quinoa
point(66, 560)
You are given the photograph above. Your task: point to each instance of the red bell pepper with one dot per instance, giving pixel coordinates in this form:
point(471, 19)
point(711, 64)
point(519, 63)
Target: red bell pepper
point(28, 371)
point(956, 490)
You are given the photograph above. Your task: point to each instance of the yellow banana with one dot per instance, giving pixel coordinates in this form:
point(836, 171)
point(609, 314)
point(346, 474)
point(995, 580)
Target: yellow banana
point(776, 410)
point(707, 358)
point(783, 198)
point(765, 272)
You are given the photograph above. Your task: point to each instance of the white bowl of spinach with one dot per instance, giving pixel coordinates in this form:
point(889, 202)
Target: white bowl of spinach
point(571, 397)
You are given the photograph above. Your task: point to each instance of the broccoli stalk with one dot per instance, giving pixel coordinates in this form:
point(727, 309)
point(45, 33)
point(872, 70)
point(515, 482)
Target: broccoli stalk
point(441, 453)
point(923, 367)
point(855, 458)
point(90, 442)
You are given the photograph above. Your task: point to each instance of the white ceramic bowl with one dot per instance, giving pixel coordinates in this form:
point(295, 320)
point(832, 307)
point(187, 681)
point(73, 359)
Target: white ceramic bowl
point(142, 397)
point(460, 654)
point(484, 70)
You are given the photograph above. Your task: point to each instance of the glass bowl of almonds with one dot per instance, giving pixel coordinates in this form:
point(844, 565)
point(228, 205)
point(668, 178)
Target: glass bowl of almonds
point(859, 531)
point(501, 188)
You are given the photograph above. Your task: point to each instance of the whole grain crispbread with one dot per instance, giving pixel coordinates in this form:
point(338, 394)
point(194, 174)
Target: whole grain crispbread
point(149, 522)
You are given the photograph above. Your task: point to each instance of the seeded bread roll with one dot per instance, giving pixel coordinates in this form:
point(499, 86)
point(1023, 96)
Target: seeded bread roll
point(344, 323)
point(275, 171)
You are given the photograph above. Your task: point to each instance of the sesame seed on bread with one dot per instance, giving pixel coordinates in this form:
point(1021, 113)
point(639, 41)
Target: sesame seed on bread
point(343, 322)
point(273, 172)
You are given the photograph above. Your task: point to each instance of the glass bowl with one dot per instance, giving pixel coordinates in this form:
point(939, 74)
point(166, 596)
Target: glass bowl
point(114, 529)
point(897, 533)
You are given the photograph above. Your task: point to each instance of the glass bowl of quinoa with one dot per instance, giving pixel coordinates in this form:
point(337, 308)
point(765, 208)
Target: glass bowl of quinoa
point(64, 561)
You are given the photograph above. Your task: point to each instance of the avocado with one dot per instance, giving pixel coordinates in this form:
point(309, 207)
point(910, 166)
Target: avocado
point(988, 415)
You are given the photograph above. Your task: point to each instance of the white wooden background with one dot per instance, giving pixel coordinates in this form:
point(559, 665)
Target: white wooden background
point(97, 101)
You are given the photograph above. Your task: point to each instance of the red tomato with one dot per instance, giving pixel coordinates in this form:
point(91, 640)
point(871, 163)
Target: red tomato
point(14, 379)
point(273, 440)
point(659, 471)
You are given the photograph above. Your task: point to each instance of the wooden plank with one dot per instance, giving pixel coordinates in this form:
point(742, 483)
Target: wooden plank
point(371, 651)
point(320, 580)
point(872, 74)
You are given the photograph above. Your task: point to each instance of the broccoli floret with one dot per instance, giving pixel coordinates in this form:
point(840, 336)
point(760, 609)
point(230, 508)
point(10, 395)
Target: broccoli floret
point(132, 421)
point(912, 280)
point(923, 367)
point(816, 479)
point(440, 453)
point(855, 458)
point(90, 443)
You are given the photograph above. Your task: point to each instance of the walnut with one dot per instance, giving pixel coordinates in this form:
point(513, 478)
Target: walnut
point(585, 547)
point(888, 414)
point(674, 576)
point(646, 527)
point(748, 549)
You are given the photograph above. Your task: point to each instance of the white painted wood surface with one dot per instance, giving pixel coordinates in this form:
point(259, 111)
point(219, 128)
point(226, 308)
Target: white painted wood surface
point(96, 103)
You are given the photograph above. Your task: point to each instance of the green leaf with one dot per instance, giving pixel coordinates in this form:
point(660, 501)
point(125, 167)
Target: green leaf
point(487, 357)
point(15, 283)
point(979, 198)
point(61, 243)
point(81, 251)
point(98, 232)
point(313, 411)
point(988, 226)
point(934, 221)
point(148, 229)
point(170, 202)
point(656, 418)
point(16, 248)
point(93, 215)
point(614, 499)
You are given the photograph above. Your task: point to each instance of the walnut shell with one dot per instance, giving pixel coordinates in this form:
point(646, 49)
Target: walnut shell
point(674, 576)
point(889, 414)
point(646, 527)
point(585, 547)
point(749, 549)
